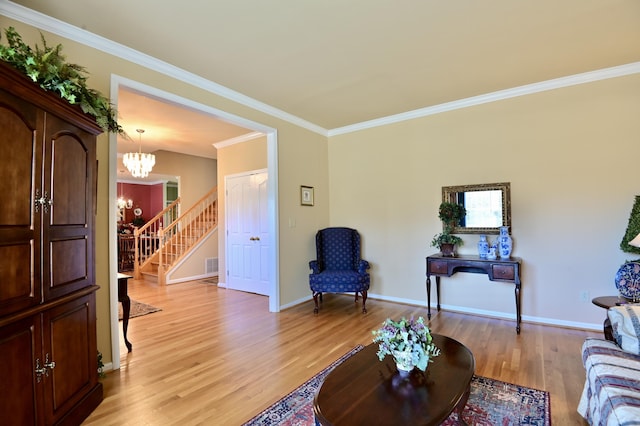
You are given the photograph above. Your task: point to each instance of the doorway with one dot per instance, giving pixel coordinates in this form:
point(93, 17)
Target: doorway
point(271, 254)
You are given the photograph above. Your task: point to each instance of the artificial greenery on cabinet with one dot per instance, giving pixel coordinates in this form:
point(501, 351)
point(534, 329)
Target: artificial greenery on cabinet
point(47, 67)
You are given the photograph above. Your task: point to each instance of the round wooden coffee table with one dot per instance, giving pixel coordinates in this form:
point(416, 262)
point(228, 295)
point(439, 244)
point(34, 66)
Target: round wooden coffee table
point(365, 391)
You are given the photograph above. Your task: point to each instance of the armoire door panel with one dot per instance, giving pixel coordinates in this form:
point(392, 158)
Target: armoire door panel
point(19, 222)
point(20, 346)
point(69, 269)
point(69, 170)
point(17, 288)
point(69, 179)
point(67, 341)
point(17, 205)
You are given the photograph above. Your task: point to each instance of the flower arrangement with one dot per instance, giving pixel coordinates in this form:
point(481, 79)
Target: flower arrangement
point(409, 342)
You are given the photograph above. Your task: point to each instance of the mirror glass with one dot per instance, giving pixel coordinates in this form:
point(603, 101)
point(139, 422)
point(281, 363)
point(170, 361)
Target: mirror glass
point(488, 207)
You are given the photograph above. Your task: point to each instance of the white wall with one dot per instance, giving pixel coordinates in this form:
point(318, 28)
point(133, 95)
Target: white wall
point(570, 157)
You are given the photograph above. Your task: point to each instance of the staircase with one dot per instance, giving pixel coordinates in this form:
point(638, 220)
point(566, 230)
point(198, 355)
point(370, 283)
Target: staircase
point(160, 247)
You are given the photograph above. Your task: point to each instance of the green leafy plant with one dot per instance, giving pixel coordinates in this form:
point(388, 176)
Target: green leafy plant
point(408, 341)
point(47, 67)
point(101, 366)
point(446, 238)
point(450, 214)
point(633, 228)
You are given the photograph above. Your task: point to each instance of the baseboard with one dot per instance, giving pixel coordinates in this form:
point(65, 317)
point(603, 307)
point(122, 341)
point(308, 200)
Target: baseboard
point(192, 278)
point(471, 311)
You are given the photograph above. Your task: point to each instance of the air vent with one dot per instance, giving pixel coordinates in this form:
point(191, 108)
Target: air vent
point(211, 265)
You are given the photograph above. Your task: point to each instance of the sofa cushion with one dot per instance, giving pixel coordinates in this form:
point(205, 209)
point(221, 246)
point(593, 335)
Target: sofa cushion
point(611, 394)
point(625, 324)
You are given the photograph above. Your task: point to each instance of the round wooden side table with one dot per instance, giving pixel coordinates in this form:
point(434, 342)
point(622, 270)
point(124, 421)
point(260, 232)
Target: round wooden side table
point(607, 302)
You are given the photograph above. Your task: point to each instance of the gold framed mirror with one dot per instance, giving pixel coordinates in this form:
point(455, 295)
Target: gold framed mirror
point(488, 207)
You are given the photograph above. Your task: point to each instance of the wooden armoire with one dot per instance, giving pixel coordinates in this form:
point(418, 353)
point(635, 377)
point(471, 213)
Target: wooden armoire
point(48, 350)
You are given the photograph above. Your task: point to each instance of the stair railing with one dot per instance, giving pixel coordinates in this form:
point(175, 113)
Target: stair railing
point(147, 237)
point(171, 243)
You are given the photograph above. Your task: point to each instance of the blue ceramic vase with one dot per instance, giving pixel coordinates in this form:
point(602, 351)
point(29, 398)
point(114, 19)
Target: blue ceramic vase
point(483, 247)
point(506, 243)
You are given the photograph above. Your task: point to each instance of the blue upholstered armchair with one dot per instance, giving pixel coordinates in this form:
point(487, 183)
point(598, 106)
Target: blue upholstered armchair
point(338, 267)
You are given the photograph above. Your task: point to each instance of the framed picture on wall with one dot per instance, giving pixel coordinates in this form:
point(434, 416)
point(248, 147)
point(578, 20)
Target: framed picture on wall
point(306, 195)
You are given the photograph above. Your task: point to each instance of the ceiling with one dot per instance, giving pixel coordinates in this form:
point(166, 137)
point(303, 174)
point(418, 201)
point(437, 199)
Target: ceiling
point(335, 63)
point(167, 126)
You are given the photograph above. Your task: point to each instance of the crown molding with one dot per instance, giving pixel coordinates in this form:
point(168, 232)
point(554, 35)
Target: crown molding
point(238, 139)
point(55, 26)
point(528, 89)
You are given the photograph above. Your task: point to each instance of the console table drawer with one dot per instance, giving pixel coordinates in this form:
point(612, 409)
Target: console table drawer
point(504, 272)
point(438, 267)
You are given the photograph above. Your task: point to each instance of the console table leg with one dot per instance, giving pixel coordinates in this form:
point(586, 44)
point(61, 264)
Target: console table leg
point(126, 309)
point(123, 297)
point(428, 297)
point(438, 291)
point(518, 316)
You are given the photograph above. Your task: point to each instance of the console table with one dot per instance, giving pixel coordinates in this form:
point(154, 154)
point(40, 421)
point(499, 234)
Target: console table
point(507, 270)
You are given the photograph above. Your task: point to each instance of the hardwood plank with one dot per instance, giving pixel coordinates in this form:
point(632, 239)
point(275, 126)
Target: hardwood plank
point(217, 356)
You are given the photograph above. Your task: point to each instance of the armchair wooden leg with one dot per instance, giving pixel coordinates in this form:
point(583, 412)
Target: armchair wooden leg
point(315, 301)
point(364, 301)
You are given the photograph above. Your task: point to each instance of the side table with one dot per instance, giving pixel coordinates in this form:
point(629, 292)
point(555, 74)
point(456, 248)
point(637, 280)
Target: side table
point(607, 302)
point(124, 298)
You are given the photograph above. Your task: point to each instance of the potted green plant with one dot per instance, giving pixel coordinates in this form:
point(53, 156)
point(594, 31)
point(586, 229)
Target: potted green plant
point(409, 342)
point(450, 214)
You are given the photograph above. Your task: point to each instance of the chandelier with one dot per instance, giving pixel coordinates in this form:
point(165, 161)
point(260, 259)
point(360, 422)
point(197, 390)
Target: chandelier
point(139, 163)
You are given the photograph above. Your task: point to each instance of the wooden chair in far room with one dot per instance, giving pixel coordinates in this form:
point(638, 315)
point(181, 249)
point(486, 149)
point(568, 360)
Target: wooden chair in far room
point(126, 252)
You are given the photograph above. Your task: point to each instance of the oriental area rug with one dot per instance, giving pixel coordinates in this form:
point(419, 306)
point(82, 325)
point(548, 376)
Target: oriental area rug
point(491, 402)
point(138, 309)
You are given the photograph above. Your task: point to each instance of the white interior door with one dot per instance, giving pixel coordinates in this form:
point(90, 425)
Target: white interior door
point(247, 233)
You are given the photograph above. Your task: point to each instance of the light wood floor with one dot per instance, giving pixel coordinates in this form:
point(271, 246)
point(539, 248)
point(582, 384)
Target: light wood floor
point(217, 357)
